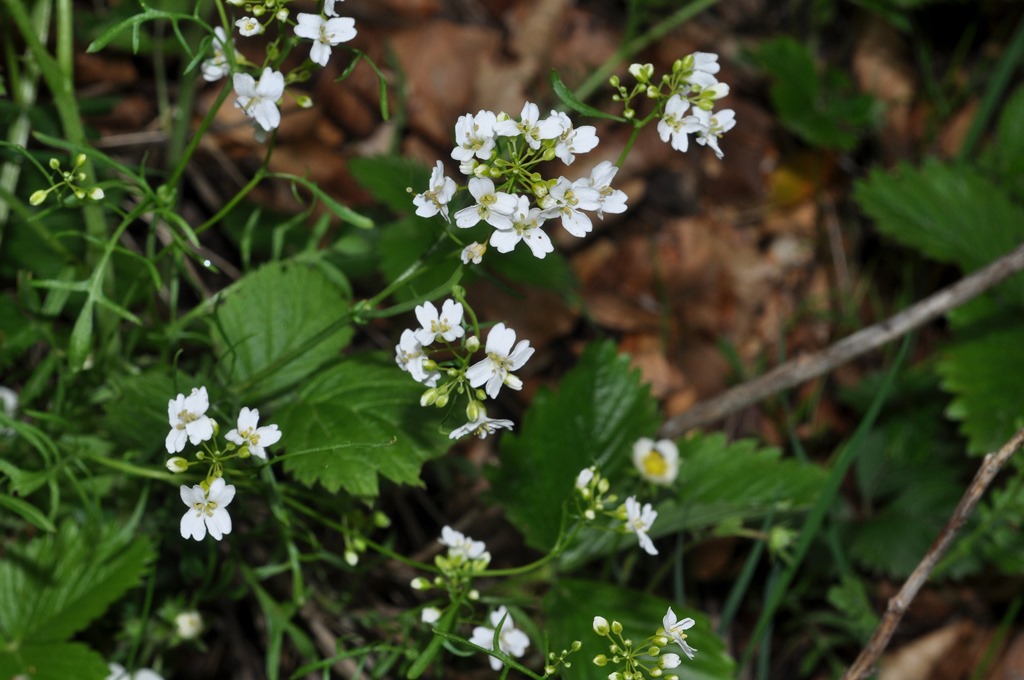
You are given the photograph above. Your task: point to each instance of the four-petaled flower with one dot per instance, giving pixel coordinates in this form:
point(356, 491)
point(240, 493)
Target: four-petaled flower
point(217, 66)
point(511, 640)
point(493, 207)
point(474, 136)
point(248, 26)
point(447, 325)
point(639, 521)
point(573, 140)
point(435, 199)
point(247, 432)
point(526, 223)
point(609, 200)
point(496, 368)
point(568, 200)
point(410, 357)
point(207, 510)
point(675, 126)
point(657, 462)
point(325, 34)
point(712, 126)
point(462, 547)
point(188, 420)
point(481, 427)
point(674, 629)
point(259, 100)
point(474, 253)
point(530, 126)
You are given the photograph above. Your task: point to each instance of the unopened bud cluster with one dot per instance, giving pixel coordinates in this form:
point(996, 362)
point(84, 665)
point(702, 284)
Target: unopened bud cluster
point(634, 661)
point(67, 180)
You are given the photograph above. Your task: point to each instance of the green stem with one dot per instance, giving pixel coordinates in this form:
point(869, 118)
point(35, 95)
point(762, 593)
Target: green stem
point(197, 137)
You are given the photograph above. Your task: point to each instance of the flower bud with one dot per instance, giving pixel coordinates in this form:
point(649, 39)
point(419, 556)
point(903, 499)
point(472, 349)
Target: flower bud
point(669, 661)
point(37, 197)
point(600, 660)
point(430, 614)
point(380, 520)
point(54, 163)
point(549, 153)
point(481, 395)
point(576, 645)
point(304, 101)
point(96, 194)
point(429, 397)
point(351, 558)
point(177, 464)
point(282, 14)
point(79, 159)
point(442, 401)
point(419, 583)
point(473, 410)
point(656, 672)
point(188, 625)
point(616, 627)
point(474, 594)
point(601, 626)
point(472, 343)
point(614, 81)
point(258, 10)
point(550, 670)
point(79, 194)
point(616, 676)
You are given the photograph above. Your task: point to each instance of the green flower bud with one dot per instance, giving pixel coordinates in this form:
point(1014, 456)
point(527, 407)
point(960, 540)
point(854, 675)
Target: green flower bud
point(614, 81)
point(472, 343)
point(549, 153)
point(96, 194)
point(304, 101)
point(576, 645)
point(380, 520)
point(79, 194)
point(177, 464)
point(600, 660)
point(653, 92)
point(258, 11)
point(442, 401)
point(54, 163)
point(473, 410)
point(616, 627)
point(419, 583)
point(38, 197)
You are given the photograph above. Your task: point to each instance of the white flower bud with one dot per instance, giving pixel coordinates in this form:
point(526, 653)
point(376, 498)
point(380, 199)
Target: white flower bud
point(37, 197)
point(188, 624)
point(472, 343)
point(419, 583)
point(430, 614)
point(601, 625)
point(669, 661)
point(96, 194)
point(351, 558)
point(616, 627)
point(177, 464)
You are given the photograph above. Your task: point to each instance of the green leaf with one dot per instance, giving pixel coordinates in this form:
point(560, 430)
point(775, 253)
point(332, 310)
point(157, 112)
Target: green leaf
point(279, 325)
point(359, 420)
point(1005, 154)
point(572, 101)
point(406, 240)
point(52, 587)
point(600, 409)
point(950, 213)
point(27, 512)
point(343, 212)
point(134, 427)
point(572, 604)
point(387, 177)
point(52, 661)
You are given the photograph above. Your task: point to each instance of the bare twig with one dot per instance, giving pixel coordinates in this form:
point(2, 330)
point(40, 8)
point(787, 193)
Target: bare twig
point(804, 368)
point(898, 605)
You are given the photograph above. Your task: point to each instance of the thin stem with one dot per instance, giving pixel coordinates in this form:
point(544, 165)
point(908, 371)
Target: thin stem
point(197, 137)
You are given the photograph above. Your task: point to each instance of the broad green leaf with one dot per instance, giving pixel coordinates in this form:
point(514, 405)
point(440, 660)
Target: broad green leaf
point(388, 177)
point(572, 604)
point(52, 661)
point(600, 409)
point(52, 587)
point(359, 420)
point(405, 241)
point(279, 325)
point(136, 410)
point(950, 213)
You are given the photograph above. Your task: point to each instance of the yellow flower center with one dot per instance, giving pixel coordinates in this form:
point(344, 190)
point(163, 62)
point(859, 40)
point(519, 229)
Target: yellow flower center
point(654, 464)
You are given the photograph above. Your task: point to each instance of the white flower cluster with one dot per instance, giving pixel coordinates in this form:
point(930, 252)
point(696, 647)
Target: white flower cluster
point(259, 99)
point(498, 155)
point(647, 657)
point(208, 500)
point(502, 356)
point(635, 518)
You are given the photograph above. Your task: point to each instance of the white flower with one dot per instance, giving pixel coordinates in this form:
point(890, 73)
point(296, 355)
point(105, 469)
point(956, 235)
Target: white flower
point(248, 26)
point(530, 127)
point(673, 125)
point(325, 34)
point(669, 661)
point(573, 140)
point(329, 8)
point(435, 199)
point(657, 462)
point(511, 640)
point(118, 672)
point(610, 200)
point(705, 66)
point(409, 357)
point(584, 477)
point(639, 521)
point(481, 427)
point(188, 624)
point(713, 126)
point(217, 66)
point(474, 136)
point(496, 368)
point(493, 207)
point(567, 200)
point(259, 100)
point(461, 546)
point(674, 629)
point(9, 401)
point(526, 223)
point(247, 432)
point(188, 420)
point(207, 510)
point(447, 325)
point(474, 253)
point(430, 614)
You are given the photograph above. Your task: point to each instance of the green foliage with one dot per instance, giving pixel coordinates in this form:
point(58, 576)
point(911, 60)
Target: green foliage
point(388, 177)
point(850, 598)
point(277, 326)
point(1004, 158)
point(572, 604)
point(358, 420)
point(824, 110)
point(600, 409)
point(52, 587)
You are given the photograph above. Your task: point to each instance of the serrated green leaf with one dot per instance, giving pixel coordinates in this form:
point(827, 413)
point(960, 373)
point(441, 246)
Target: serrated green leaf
point(572, 604)
point(27, 512)
point(135, 407)
point(52, 587)
point(266, 324)
point(53, 661)
point(600, 409)
point(359, 420)
point(572, 101)
point(950, 213)
point(387, 177)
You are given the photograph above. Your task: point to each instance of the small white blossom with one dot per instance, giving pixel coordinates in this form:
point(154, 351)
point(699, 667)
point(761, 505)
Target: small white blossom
point(462, 547)
point(259, 100)
point(430, 615)
point(675, 126)
point(511, 640)
point(530, 126)
point(493, 207)
point(474, 136)
point(118, 672)
point(329, 8)
point(705, 66)
point(447, 325)
point(496, 368)
point(474, 253)
point(410, 357)
point(674, 629)
point(247, 432)
point(207, 510)
point(610, 200)
point(249, 26)
point(669, 661)
point(526, 223)
point(325, 34)
point(584, 477)
point(481, 426)
point(217, 66)
point(435, 199)
point(639, 521)
point(713, 126)
point(573, 140)
point(657, 462)
point(188, 420)
point(188, 624)
point(568, 200)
